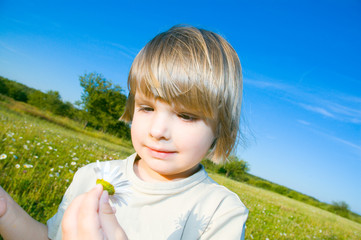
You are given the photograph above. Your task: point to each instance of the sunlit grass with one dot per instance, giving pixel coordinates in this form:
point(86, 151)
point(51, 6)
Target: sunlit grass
point(39, 159)
point(274, 216)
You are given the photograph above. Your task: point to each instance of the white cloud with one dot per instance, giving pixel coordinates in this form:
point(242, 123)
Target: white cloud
point(335, 105)
point(7, 47)
point(129, 53)
point(304, 122)
point(267, 84)
point(316, 109)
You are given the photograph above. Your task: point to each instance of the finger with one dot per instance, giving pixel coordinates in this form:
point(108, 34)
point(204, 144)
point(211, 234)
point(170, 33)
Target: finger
point(88, 212)
point(108, 221)
point(70, 219)
point(74, 224)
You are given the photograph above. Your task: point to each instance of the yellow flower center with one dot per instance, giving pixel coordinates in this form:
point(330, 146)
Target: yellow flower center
point(106, 186)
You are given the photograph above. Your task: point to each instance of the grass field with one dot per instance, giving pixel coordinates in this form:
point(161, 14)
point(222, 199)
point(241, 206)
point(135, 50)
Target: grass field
point(39, 158)
point(274, 216)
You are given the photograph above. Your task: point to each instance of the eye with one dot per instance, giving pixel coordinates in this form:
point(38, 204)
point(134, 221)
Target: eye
point(187, 117)
point(144, 108)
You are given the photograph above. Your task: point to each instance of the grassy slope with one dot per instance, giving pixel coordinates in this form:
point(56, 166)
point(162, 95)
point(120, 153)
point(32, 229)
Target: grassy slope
point(55, 153)
point(275, 216)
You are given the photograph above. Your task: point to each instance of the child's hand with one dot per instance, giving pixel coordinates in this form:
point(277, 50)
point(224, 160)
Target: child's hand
point(3, 202)
point(90, 216)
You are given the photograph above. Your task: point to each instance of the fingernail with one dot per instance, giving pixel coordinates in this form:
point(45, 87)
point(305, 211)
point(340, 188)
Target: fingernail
point(105, 197)
point(99, 186)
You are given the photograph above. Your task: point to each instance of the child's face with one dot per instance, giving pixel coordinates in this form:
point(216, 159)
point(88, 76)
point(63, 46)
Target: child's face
point(170, 141)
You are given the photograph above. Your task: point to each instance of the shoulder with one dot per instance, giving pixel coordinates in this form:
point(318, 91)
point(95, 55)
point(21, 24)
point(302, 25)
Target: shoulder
point(219, 197)
point(224, 211)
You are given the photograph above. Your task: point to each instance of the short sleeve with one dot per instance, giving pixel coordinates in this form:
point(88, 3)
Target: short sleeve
point(228, 221)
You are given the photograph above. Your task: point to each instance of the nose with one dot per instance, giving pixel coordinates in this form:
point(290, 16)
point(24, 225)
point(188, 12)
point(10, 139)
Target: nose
point(160, 126)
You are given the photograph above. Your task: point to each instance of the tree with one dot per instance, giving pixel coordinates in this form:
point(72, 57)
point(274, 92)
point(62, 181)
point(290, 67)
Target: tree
point(14, 89)
point(341, 208)
point(104, 103)
point(17, 94)
point(51, 101)
point(234, 167)
point(3, 88)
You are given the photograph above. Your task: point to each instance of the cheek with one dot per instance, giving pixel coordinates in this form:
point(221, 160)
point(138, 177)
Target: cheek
point(137, 129)
point(197, 141)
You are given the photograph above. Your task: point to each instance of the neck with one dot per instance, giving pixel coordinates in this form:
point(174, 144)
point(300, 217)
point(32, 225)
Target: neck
point(144, 173)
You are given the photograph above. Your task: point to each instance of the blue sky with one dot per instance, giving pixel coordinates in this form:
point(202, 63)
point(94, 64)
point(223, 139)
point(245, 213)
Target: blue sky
point(301, 66)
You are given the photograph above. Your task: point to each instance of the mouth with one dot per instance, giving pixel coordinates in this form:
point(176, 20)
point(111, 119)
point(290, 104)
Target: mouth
point(160, 153)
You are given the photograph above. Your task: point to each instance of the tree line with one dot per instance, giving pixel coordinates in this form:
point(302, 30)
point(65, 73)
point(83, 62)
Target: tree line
point(100, 107)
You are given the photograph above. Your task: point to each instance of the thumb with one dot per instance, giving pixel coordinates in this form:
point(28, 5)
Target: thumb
point(3, 206)
point(108, 221)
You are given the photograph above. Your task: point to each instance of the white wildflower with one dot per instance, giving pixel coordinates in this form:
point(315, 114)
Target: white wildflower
point(3, 156)
point(111, 180)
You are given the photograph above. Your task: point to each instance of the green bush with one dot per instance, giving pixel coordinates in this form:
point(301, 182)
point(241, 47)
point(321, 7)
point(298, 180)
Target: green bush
point(263, 184)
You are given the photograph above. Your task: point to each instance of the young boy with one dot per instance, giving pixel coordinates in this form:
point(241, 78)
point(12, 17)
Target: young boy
point(184, 104)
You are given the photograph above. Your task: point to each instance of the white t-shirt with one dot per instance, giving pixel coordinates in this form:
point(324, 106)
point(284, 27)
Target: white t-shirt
point(192, 208)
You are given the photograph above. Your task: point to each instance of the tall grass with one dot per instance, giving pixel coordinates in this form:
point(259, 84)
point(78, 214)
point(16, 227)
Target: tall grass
point(40, 158)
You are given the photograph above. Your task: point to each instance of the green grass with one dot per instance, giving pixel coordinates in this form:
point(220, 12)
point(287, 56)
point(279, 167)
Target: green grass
point(42, 156)
point(274, 216)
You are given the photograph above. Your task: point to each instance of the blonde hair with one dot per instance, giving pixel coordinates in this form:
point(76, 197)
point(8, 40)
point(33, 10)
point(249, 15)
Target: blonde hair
point(198, 70)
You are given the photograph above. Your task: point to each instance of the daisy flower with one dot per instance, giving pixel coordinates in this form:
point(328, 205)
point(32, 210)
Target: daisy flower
point(3, 156)
point(28, 166)
point(112, 182)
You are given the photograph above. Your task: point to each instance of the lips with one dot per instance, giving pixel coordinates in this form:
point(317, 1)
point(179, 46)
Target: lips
point(160, 153)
